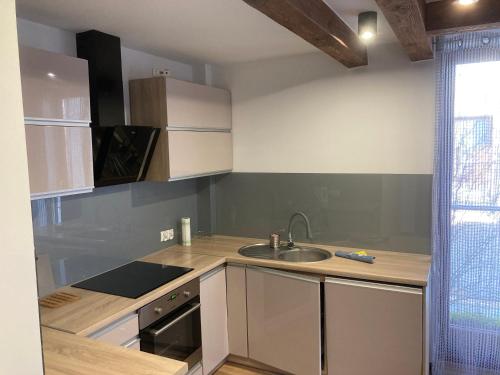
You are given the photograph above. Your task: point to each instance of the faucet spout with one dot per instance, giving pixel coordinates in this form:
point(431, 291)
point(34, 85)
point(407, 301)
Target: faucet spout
point(291, 224)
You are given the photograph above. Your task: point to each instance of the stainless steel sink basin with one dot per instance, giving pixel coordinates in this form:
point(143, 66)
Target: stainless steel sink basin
point(295, 254)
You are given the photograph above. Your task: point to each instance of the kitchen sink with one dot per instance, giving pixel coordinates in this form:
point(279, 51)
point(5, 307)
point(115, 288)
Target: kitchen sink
point(284, 253)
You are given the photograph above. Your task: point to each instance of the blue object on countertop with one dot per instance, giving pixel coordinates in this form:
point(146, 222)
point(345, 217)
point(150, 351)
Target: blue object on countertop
point(354, 256)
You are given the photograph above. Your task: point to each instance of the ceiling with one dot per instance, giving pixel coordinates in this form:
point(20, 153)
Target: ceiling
point(213, 31)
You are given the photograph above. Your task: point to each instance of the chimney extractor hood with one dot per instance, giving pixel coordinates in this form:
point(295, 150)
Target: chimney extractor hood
point(121, 153)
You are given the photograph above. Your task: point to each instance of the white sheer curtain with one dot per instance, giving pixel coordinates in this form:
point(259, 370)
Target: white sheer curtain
point(466, 203)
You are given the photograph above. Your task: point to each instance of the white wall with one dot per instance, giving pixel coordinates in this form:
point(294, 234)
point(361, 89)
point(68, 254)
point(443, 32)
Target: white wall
point(135, 64)
point(310, 114)
point(20, 348)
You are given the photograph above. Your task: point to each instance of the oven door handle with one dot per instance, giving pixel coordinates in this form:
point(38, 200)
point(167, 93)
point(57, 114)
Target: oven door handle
point(156, 332)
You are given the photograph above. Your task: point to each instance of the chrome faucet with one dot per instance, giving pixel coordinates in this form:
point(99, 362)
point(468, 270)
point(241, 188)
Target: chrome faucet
point(290, 227)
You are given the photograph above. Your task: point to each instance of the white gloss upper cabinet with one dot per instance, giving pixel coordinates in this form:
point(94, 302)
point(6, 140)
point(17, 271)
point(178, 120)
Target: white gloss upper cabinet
point(169, 102)
point(193, 105)
point(213, 319)
point(55, 87)
point(196, 138)
point(59, 160)
point(373, 328)
point(284, 320)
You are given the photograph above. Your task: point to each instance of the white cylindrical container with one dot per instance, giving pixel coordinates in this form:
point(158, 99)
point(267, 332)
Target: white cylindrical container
point(186, 231)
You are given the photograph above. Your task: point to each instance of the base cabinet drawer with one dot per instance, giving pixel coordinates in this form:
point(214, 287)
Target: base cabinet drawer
point(123, 332)
point(373, 328)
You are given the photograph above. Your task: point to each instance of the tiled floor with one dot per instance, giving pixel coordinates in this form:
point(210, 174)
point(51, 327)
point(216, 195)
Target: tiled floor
point(233, 369)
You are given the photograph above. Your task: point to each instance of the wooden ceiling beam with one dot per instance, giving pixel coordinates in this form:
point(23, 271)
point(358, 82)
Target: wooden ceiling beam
point(447, 16)
point(407, 19)
point(315, 22)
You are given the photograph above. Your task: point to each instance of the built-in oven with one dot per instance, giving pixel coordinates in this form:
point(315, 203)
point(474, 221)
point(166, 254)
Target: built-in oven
point(171, 327)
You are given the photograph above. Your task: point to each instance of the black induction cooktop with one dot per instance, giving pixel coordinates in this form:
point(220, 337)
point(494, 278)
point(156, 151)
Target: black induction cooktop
point(134, 279)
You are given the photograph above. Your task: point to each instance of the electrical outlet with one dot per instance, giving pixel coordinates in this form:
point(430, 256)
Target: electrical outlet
point(167, 235)
point(161, 72)
point(164, 235)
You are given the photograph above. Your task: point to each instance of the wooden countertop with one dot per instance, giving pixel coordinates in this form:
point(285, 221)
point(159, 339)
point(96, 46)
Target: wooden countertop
point(67, 354)
point(95, 310)
point(389, 267)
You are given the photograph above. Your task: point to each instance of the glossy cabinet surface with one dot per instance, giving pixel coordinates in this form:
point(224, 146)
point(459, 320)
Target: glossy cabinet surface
point(122, 332)
point(193, 105)
point(195, 119)
point(168, 102)
point(213, 319)
point(284, 320)
point(193, 153)
point(237, 310)
point(59, 159)
point(373, 328)
point(55, 87)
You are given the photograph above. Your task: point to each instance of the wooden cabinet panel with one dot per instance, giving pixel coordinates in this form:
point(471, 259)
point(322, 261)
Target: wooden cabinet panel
point(237, 310)
point(213, 319)
point(55, 86)
point(193, 153)
point(59, 159)
point(373, 328)
point(284, 315)
point(199, 106)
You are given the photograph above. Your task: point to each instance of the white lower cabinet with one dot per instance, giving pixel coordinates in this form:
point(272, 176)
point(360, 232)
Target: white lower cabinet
point(196, 370)
point(373, 328)
point(284, 320)
point(213, 319)
point(123, 332)
point(237, 310)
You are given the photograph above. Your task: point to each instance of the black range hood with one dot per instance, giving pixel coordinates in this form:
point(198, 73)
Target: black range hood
point(121, 153)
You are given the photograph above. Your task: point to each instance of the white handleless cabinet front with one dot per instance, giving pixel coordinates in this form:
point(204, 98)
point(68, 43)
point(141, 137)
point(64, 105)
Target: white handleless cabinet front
point(213, 319)
point(55, 87)
point(284, 320)
point(237, 310)
point(196, 153)
point(59, 160)
point(372, 328)
point(197, 106)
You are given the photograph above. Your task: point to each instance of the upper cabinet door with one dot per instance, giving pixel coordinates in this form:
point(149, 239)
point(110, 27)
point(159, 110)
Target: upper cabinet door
point(55, 87)
point(197, 106)
point(194, 153)
point(284, 320)
point(59, 160)
point(373, 328)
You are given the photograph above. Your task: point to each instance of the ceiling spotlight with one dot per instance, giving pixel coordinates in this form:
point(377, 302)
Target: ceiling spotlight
point(367, 25)
point(51, 75)
point(466, 2)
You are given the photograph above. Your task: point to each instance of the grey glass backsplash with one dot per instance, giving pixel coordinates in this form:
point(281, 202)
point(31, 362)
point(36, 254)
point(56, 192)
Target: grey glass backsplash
point(77, 237)
point(374, 211)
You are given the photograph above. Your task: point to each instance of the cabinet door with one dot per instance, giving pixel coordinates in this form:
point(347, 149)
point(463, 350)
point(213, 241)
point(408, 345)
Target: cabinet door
point(122, 332)
point(213, 319)
point(197, 106)
point(55, 86)
point(237, 310)
point(373, 328)
point(59, 159)
point(195, 153)
point(284, 328)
